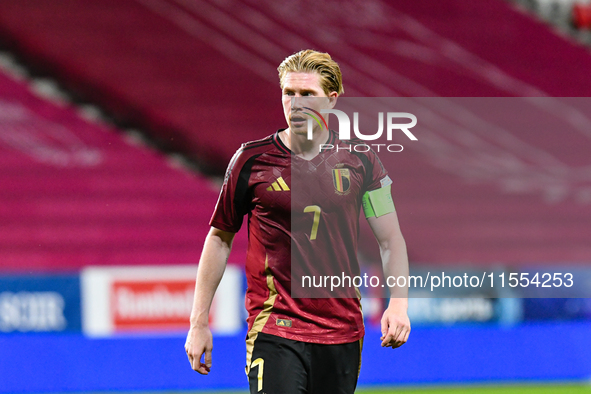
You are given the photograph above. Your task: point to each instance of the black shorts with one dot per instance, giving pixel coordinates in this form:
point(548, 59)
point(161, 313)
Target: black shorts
point(284, 366)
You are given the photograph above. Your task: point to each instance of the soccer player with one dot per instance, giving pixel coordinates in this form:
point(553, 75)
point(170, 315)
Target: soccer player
point(303, 205)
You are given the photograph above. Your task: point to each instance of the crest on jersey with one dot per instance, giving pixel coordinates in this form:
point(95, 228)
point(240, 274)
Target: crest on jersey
point(342, 180)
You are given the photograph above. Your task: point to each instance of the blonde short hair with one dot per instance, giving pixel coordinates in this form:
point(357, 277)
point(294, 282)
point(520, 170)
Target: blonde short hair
point(310, 61)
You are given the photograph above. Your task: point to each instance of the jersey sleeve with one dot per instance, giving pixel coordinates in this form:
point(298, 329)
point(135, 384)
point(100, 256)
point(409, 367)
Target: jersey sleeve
point(233, 201)
point(376, 175)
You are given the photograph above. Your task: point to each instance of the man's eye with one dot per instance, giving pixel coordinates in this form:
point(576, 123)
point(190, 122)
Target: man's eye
point(288, 93)
point(308, 94)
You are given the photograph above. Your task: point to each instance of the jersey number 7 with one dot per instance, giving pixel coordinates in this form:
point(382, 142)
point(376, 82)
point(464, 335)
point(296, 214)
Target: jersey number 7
point(316, 209)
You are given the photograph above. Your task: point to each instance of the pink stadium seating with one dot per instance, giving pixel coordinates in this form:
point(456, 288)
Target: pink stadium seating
point(199, 73)
point(74, 193)
point(200, 77)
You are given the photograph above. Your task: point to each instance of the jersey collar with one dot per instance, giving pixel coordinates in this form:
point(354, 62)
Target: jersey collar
point(279, 143)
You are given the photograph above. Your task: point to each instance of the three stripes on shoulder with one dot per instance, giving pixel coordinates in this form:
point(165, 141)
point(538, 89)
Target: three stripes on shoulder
point(278, 186)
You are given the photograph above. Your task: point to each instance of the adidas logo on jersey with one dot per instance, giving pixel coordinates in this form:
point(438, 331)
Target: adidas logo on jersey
point(283, 323)
point(278, 186)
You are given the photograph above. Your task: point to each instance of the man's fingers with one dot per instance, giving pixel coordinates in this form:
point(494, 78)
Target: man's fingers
point(402, 338)
point(402, 335)
point(195, 362)
point(384, 326)
point(406, 335)
point(202, 369)
point(386, 339)
point(198, 366)
point(396, 336)
point(207, 357)
point(388, 332)
point(398, 333)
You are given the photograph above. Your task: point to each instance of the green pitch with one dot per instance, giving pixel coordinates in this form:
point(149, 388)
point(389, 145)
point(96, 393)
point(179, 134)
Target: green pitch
point(509, 389)
point(498, 389)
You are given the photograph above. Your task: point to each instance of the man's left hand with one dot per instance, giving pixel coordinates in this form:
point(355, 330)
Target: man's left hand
point(395, 327)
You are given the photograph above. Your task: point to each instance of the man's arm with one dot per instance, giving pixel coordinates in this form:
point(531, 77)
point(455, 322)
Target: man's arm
point(212, 264)
point(395, 322)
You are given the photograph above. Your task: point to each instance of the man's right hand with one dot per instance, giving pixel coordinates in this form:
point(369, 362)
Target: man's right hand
point(199, 343)
point(212, 264)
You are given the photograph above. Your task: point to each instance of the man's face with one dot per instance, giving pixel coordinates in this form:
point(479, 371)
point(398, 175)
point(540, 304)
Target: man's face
point(303, 90)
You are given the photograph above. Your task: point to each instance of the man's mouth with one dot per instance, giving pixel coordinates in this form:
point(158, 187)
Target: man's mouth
point(297, 119)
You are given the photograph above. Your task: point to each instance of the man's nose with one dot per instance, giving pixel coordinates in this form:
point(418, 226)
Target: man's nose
point(296, 102)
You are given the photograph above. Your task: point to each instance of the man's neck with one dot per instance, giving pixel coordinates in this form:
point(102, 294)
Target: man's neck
point(301, 146)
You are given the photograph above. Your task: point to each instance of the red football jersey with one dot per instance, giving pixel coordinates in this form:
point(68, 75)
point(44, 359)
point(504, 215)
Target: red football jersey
point(302, 216)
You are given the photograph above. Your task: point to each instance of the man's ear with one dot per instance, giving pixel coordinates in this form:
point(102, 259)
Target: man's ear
point(332, 99)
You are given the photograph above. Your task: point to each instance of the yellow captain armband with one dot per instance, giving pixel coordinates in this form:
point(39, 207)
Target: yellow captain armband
point(378, 202)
